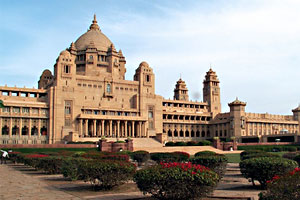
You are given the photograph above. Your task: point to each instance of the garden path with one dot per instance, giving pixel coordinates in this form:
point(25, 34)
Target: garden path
point(22, 182)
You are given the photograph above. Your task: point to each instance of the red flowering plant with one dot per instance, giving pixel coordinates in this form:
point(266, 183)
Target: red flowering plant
point(33, 159)
point(175, 180)
point(283, 187)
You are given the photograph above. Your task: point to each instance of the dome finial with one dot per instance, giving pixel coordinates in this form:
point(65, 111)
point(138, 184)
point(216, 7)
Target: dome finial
point(94, 25)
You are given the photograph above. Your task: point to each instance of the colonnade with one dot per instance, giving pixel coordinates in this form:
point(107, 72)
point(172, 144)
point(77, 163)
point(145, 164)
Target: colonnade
point(111, 128)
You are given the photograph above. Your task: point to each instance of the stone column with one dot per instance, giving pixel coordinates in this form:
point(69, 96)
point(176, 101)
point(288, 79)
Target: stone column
point(133, 134)
point(20, 126)
point(125, 128)
point(118, 129)
point(29, 128)
point(94, 127)
point(129, 129)
point(86, 128)
point(10, 127)
point(110, 128)
point(80, 127)
point(140, 129)
point(39, 127)
point(99, 129)
point(102, 127)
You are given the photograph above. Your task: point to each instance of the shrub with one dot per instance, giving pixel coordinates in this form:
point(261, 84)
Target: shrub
point(70, 168)
point(283, 187)
point(290, 155)
point(170, 144)
point(270, 148)
point(106, 156)
point(205, 153)
point(256, 154)
point(217, 163)
point(140, 156)
point(180, 144)
point(204, 143)
point(191, 143)
point(169, 157)
point(176, 181)
point(264, 168)
point(297, 159)
point(107, 173)
point(51, 165)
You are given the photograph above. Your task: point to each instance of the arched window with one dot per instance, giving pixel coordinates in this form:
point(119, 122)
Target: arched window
point(108, 88)
point(202, 134)
point(5, 130)
point(170, 133)
point(44, 130)
point(91, 57)
point(25, 130)
point(34, 131)
point(15, 130)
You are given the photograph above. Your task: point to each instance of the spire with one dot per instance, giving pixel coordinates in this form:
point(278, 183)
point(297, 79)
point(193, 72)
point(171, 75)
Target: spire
point(94, 25)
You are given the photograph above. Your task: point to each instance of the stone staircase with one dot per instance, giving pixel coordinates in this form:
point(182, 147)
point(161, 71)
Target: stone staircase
point(152, 145)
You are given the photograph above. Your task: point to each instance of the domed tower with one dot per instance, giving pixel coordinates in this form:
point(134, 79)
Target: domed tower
point(96, 55)
point(45, 79)
point(181, 91)
point(211, 92)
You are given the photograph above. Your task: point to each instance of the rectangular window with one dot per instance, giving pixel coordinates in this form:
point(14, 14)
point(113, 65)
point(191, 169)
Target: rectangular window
point(25, 110)
point(6, 109)
point(44, 111)
point(16, 110)
point(67, 107)
point(67, 69)
point(35, 110)
point(68, 122)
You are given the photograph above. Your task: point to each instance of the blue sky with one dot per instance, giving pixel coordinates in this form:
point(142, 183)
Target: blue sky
point(253, 45)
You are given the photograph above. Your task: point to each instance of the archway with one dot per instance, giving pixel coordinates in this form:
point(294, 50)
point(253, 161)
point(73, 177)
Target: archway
point(15, 130)
point(34, 131)
point(25, 130)
point(5, 130)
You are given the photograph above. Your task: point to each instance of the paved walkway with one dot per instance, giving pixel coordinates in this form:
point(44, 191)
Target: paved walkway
point(22, 182)
point(15, 184)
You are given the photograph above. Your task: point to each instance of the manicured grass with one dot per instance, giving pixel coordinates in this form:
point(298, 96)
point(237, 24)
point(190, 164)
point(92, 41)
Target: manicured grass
point(233, 157)
point(47, 150)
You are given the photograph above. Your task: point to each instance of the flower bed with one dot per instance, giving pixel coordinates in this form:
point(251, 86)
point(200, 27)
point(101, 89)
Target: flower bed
point(217, 163)
point(176, 181)
point(283, 187)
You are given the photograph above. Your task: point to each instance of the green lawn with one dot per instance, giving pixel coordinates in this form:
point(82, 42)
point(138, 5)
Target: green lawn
point(233, 157)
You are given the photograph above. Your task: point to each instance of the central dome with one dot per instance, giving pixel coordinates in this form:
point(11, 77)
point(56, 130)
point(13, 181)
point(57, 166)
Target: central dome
point(93, 36)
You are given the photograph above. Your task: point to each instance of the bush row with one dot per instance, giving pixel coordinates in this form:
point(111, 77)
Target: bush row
point(270, 148)
point(256, 154)
point(190, 143)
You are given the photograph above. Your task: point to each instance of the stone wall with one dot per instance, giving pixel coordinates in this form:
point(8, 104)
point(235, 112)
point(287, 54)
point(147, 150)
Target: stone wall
point(114, 146)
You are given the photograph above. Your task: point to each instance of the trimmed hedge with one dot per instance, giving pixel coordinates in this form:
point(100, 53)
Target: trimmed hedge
point(70, 168)
point(216, 163)
point(205, 153)
point(263, 169)
point(170, 157)
point(256, 154)
point(270, 148)
point(106, 174)
point(283, 187)
point(140, 156)
point(290, 155)
point(176, 181)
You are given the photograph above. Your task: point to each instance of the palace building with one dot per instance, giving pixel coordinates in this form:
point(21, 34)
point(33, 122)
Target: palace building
point(86, 97)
